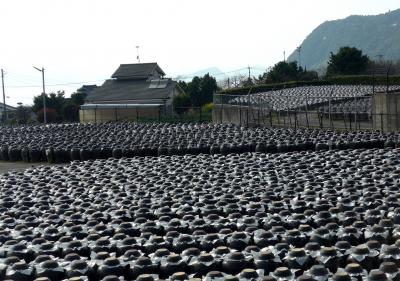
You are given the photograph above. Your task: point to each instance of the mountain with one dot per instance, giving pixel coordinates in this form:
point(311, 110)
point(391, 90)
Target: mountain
point(374, 35)
point(221, 75)
point(213, 71)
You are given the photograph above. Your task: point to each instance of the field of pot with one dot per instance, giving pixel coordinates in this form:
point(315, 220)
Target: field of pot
point(327, 215)
point(308, 96)
point(69, 142)
point(349, 105)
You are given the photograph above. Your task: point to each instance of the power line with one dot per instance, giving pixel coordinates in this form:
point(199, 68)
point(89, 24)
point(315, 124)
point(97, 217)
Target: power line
point(100, 80)
point(53, 85)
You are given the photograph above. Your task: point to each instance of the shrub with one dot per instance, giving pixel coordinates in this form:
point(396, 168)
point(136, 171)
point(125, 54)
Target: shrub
point(181, 103)
point(208, 107)
point(51, 115)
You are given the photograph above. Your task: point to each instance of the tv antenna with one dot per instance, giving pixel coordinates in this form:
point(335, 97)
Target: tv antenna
point(137, 51)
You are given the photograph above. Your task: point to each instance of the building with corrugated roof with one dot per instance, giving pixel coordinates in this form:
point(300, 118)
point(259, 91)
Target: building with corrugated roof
point(9, 110)
point(135, 91)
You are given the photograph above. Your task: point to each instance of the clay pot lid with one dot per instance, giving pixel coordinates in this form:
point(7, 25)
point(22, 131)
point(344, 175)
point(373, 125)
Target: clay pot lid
point(343, 245)
point(392, 250)
point(388, 267)
point(111, 261)
point(305, 278)
point(21, 265)
point(266, 255)
point(328, 251)
point(206, 257)
point(341, 276)
point(282, 272)
point(102, 255)
point(319, 270)
point(353, 268)
point(215, 274)
point(72, 257)
point(191, 252)
point(297, 252)
point(163, 252)
point(111, 278)
point(49, 264)
point(174, 258)
point(179, 276)
point(78, 264)
point(361, 250)
point(312, 246)
point(377, 275)
point(143, 261)
point(145, 277)
point(373, 244)
point(249, 273)
point(236, 256)
point(231, 278)
point(221, 250)
point(47, 279)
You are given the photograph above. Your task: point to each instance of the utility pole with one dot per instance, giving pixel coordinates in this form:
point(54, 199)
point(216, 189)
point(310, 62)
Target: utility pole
point(43, 95)
point(249, 72)
point(4, 97)
point(284, 56)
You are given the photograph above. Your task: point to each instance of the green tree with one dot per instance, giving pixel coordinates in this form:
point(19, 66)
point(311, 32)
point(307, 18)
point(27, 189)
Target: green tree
point(183, 86)
point(282, 72)
point(201, 90)
point(286, 71)
point(54, 101)
point(51, 115)
point(22, 114)
point(208, 86)
point(181, 103)
point(308, 75)
point(347, 61)
point(194, 91)
point(70, 111)
point(78, 98)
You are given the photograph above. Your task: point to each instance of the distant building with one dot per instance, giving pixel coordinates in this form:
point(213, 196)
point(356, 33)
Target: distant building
point(135, 91)
point(86, 89)
point(10, 112)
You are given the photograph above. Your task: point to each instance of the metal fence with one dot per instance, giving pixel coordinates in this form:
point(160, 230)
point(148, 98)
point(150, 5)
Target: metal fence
point(187, 115)
point(332, 112)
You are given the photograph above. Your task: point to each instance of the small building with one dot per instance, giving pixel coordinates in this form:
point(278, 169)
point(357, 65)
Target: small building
point(10, 112)
point(134, 92)
point(86, 89)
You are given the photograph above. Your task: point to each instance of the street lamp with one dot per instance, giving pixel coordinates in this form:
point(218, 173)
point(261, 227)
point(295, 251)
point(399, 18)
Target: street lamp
point(43, 95)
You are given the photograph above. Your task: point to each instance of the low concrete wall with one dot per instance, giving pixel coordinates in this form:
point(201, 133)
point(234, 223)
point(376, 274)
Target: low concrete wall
point(100, 115)
point(386, 111)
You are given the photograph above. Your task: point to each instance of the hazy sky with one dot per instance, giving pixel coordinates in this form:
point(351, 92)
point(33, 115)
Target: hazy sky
point(85, 41)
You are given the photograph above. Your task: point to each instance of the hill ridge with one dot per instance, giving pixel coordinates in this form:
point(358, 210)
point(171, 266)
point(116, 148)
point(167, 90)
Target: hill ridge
point(374, 34)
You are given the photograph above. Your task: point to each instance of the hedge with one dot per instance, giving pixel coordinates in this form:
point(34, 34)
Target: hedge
point(333, 80)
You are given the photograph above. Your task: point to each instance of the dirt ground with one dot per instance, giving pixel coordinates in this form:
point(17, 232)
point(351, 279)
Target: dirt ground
point(7, 166)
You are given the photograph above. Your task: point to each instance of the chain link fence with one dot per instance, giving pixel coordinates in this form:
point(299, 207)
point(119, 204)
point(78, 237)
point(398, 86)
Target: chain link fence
point(328, 111)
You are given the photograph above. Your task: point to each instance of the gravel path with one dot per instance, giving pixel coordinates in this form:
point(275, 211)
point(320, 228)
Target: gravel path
point(7, 166)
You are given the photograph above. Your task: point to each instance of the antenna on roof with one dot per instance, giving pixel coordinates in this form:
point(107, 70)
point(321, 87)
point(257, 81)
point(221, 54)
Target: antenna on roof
point(137, 57)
